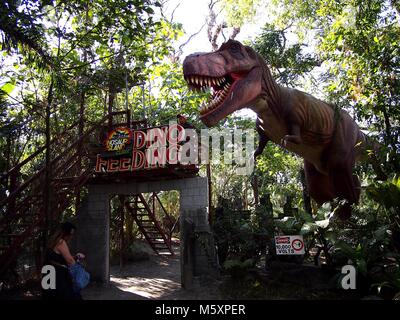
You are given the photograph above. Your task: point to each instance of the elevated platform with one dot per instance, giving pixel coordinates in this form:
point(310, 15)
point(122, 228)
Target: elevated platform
point(169, 172)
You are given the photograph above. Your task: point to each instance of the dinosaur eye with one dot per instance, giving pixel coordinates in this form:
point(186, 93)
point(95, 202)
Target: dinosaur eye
point(235, 47)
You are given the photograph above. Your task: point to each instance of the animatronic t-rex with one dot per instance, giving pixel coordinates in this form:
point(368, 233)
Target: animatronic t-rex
point(328, 139)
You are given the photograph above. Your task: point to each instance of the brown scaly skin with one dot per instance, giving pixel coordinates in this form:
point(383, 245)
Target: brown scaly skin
point(329, 141)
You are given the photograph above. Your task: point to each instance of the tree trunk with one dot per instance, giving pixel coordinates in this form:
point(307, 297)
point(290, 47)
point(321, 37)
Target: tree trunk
point(390, 140)
point(306, 195)
point(111, 99)
point(254, 184)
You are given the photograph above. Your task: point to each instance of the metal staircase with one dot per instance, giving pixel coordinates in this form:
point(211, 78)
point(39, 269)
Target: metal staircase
point(39, 191)
point(36, 200)
point(158, 238)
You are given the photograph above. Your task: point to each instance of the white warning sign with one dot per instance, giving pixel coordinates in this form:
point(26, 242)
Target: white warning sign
point(289, 245)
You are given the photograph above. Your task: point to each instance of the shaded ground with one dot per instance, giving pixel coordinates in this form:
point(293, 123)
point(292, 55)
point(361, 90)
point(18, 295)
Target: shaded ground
point(156, 278)
point(159, 278)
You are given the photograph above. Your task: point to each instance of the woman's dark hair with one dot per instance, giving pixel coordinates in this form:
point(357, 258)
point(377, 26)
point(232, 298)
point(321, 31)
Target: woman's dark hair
point(67, 227)
point(63, 231)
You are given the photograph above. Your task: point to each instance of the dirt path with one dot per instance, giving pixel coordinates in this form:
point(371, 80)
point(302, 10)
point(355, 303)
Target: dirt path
point(156, 278)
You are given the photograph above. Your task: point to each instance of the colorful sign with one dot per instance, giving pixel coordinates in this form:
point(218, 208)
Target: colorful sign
point(131, 150)
point(289, 245)
point(118, 139)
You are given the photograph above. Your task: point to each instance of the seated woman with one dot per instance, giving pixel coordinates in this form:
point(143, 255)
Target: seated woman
point(59, 256)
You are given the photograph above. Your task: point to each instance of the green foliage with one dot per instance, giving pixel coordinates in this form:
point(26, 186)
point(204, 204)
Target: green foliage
point(234, 233)
point(371, 238)
point(236, 268)
point(278, 173)
point(96, 49)
point(358, 43)
point(239, 12)
point(288, 62)
point(20, 28)
point(386, 194)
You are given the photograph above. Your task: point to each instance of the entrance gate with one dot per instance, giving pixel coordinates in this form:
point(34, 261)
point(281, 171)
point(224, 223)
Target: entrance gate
point(197, 248)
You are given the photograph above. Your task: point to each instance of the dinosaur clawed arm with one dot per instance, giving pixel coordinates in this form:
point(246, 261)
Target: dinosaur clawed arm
point(263, 140)
point(294, 137)
point(291, 138)
point(261, 146)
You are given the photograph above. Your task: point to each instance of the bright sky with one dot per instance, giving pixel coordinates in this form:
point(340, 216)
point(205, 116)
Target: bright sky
point(192, 15)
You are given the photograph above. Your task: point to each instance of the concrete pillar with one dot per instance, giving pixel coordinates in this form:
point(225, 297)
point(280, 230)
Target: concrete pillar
point(92, 236)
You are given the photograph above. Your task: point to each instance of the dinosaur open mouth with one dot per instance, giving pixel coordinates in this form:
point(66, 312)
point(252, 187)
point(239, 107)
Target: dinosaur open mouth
point(221, 88)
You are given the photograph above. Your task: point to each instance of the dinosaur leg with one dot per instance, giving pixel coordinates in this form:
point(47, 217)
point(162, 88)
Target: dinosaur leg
point(319, 185)
point(339, 160)
point(345, 184)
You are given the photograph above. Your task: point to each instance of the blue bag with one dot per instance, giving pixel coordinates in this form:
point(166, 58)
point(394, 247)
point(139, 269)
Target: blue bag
point(80, 276)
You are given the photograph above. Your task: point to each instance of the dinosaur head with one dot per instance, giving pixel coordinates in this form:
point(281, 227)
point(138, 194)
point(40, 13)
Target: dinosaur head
point(233, 73)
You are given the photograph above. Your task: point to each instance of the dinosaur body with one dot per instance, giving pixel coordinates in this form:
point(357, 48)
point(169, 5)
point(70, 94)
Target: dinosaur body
point(328, 139)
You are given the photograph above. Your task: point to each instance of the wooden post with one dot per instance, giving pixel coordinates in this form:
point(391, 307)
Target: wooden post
point(187, 261)
point(81, 124)
point(128, 112)
point(154, 203)
point(245, 203)
point(210, 208)
point(122, 235)
point(80, 146)
point(12, 187)
point(46, 185)
point(129, 229)
point(128, 118)
point(254, 183)
point(111, 97)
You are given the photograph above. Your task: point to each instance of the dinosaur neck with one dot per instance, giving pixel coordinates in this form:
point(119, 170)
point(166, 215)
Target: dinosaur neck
point(271, 91)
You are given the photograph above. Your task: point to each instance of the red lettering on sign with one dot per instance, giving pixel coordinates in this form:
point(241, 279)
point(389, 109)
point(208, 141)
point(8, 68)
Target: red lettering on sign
point(173, 154)
point(124, 164)
point(112, 165)
point(156, 157)
point(138, 160)
point(156, 137)
point(100, 163)
point(284, 240)
point(139, 139)
point(176, 134)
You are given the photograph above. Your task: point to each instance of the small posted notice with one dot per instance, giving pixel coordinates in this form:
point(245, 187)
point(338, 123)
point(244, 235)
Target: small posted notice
point(289, 245)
